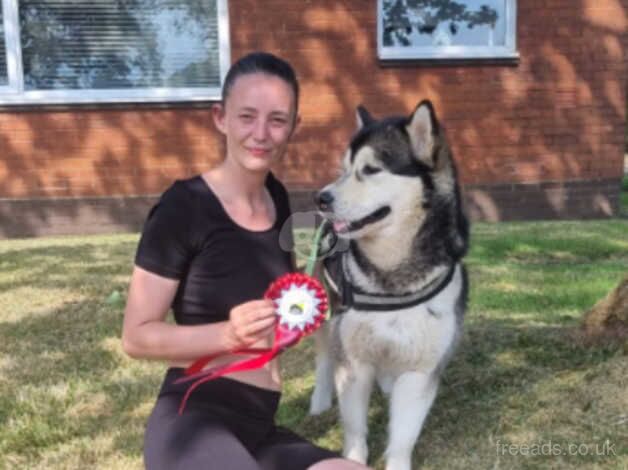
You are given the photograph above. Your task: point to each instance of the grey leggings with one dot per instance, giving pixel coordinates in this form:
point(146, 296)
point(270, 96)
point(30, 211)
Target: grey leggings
point(226, 425)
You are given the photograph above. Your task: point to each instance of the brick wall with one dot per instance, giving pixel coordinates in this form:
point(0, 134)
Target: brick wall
point(540, 139)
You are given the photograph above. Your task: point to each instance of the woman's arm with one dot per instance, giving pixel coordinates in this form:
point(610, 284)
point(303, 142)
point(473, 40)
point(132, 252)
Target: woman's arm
point(145, 334)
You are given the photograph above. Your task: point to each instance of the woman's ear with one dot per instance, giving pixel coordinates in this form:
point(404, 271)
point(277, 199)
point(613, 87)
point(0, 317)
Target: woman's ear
point(295, 126)
point(218, 115)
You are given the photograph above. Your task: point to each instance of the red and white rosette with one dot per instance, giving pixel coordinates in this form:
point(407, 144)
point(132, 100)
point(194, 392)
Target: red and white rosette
point(301, 304)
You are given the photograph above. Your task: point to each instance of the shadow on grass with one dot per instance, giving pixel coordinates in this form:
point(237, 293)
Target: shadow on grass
point(65, 266)
point(547, 242)
point(64, 380)
point(66, 375)
point(497, 361)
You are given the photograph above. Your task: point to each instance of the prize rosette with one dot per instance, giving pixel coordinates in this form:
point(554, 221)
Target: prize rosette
point(301, 304)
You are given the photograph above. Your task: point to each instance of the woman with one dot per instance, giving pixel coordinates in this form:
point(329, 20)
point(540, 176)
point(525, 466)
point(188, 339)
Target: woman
point(209, 250)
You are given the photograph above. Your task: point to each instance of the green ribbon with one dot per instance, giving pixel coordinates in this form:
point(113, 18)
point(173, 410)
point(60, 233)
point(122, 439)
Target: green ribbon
point(311, 261)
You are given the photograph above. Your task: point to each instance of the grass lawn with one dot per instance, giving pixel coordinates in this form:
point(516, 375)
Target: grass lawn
point(521, 384)
point(623, 197)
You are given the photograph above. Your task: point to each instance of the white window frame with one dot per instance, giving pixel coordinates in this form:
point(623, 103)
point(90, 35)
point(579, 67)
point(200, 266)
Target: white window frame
point(14, 93)
point(437, 53)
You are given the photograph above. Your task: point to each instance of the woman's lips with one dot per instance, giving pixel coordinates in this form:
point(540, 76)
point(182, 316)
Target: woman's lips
point(258, 152)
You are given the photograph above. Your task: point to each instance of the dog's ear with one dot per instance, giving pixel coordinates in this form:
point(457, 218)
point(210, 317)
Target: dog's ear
point(363, 117)
point(422, 127)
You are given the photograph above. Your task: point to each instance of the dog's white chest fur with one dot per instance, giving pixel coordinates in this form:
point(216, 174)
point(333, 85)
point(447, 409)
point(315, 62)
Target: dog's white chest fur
point(414, 338)
point(411, 339)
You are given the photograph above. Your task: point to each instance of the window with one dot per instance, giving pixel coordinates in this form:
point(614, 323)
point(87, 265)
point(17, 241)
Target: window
point(86, 51)
point(4, 78)
point(446, 29)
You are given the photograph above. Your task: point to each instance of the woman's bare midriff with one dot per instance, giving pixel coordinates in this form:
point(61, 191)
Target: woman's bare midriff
point(268, 376)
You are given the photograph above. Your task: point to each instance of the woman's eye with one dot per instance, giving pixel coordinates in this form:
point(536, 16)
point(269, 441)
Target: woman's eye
point(370, 170)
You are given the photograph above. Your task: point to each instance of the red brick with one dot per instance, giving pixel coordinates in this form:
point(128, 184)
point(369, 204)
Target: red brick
point(559, 113)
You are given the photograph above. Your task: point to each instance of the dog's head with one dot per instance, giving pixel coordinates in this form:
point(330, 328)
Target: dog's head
point(396, 172)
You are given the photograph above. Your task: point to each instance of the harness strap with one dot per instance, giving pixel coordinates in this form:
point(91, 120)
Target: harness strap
point(336, 274)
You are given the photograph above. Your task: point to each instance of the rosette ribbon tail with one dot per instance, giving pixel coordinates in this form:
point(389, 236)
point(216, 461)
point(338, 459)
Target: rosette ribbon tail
point(196, 369)
point(283, 340)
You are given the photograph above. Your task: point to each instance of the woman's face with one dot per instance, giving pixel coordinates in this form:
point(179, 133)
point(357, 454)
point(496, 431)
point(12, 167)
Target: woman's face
point(257, 120)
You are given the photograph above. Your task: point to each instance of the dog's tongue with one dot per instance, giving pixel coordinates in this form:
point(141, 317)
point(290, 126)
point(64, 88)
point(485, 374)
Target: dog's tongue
point(340, 226)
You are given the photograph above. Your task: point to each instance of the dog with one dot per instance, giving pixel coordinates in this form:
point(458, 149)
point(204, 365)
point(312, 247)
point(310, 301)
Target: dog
point(399, 284)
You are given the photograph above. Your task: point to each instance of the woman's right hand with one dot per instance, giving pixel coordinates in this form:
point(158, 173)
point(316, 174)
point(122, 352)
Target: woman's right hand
point(250, 322)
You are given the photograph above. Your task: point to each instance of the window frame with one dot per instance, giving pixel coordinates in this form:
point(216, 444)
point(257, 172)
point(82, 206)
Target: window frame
point(506, 52)
point(14, 93)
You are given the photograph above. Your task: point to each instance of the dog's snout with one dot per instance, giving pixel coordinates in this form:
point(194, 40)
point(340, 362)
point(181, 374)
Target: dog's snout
point(324, 200)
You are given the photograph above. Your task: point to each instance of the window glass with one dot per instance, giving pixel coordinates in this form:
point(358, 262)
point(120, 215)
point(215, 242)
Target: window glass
point(447, 28)
point(443, 22)
point(123, 44)
point(3, 52)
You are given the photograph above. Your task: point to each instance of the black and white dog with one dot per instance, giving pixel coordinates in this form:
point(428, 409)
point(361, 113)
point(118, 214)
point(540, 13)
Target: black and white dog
point(400, 284)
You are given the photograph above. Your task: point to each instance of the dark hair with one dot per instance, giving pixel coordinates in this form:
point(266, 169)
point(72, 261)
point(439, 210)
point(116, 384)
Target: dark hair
point(261, 62)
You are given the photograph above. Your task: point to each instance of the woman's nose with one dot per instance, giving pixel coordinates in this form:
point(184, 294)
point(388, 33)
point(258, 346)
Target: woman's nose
point(260, 131)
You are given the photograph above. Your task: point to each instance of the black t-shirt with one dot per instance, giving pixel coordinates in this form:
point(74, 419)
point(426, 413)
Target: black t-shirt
point(190, 237)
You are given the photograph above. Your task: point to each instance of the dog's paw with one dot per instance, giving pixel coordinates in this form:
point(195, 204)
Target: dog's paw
point(356, 451)
point(398, 464)
point(320, 402)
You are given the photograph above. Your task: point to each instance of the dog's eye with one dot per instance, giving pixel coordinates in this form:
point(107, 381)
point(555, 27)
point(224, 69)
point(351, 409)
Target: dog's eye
point(370, 170)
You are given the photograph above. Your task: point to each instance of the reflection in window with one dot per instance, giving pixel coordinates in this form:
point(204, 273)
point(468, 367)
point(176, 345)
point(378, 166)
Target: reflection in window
point(119, 44)
point(443, 23)
point(434, 28)
point(4, 80)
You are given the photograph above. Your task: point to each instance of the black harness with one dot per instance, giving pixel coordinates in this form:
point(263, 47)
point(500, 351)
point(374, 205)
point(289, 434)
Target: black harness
point(351, 296)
